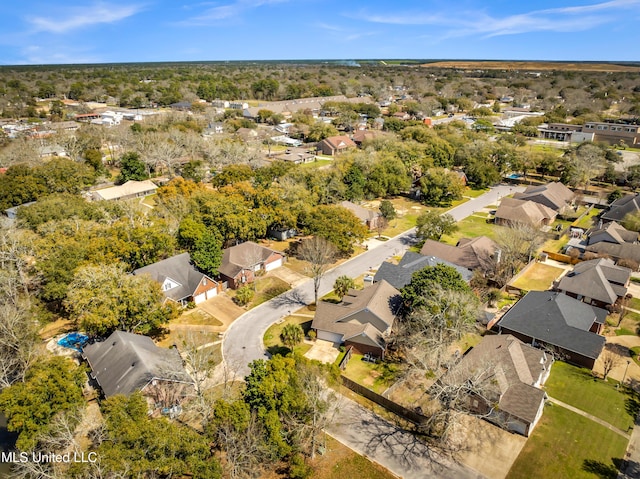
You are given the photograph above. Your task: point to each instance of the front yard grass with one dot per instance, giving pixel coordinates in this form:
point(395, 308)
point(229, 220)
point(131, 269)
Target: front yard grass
point(538, 277)
point(376, 376)
point(565, 444)
point(577, 387)
point(273, 342)
point(471, 227)
point(268, 288)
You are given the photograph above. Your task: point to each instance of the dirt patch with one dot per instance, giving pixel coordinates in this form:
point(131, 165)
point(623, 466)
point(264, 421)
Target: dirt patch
point(487, 449)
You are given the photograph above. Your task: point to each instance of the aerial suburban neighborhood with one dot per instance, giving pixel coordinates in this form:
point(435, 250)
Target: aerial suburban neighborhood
point(243, 270)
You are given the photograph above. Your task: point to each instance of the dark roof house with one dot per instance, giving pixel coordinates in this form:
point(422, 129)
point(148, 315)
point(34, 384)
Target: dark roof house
point(598, 282)
point(555, 320)
point(399, 275)
point(612, 232)
point(480, 253)
point(368, 217)
point(621, 208)
point(509, 373)
point(180, 279)
point(126, 362)
point(363, 319)
point(553, 195)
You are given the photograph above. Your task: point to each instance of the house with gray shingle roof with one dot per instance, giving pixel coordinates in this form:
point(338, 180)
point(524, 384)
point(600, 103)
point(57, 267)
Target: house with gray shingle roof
point(598, 282)
point(125, 363)
point(180, 280)
point(363, 319)
point(554, 320)
point(369, 218)
point(399, 275)
point(621, 207)
point(509, 373)
point(480, 253)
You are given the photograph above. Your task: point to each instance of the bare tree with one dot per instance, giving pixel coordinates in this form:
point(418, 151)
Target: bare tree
point(381, 225)
point(518, 245)
point(320, 254)
point(610, 359)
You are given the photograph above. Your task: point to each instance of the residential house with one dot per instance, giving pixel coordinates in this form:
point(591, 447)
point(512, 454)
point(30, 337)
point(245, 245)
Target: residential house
point(629, 204)
point(125, 363)
point(361, 136)
point(131, 189)
point(240, 263)
point(334, 145)
point(598, 282)
point(399, 275)
point(615, 241)
point(508, 375)
point(369, 218)
point(296, 156)
point(553, 195)
point(559, 323)
point(514, 211)
point(364, 319)
point(180, 280)
point(475, 254)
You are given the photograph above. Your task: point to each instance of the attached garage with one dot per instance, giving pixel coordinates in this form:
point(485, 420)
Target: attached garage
point(329, 336)
point(200, 298)
point(273, 265)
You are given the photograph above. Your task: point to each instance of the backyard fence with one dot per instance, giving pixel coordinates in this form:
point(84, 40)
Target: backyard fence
point(388, 404)
point(345, 359)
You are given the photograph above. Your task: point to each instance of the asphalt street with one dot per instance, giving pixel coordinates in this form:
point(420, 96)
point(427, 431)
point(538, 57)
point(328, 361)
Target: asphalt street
point(358, 428)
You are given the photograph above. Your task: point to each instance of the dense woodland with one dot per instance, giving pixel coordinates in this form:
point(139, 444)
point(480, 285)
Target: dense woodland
point(69, 258)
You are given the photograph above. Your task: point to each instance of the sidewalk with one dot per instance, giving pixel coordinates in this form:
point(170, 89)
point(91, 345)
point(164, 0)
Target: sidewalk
point(589, 416)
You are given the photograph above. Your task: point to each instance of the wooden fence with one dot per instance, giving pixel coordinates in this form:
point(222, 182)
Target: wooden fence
point(345, 359)
point(388, 404)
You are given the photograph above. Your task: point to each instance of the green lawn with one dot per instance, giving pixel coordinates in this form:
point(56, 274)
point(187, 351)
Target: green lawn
point(566, 445)
point(268, 288)
point(634, 303)
point(538, 277)
point(587, 221)
point(577, 387)
point(471, 227)
point(272, 341)
point(316, 164)
point(377, 377)
point(474, 193)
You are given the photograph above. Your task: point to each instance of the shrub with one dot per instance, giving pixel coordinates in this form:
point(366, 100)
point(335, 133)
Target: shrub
point(244, 295)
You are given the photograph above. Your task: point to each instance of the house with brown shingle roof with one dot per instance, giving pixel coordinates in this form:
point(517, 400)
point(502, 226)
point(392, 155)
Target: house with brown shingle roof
point(363, 319)
point(514, 211)
point(509, 374)
point(553, 195)
point(334, 145)
point(369, 218)
point(480, 253)
point(241, 262)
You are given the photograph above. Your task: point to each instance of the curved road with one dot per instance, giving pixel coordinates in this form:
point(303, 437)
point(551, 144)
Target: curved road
point(243, 340)
point(364, 432)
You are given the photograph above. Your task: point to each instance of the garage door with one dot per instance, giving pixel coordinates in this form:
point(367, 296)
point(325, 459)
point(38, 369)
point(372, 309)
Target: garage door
point(274, 265)
point(211, 293)
point(328, 336)
point(200, 298)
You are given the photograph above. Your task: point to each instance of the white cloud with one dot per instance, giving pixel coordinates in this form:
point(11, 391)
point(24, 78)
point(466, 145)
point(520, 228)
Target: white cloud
point(560, 19)
point(228, 11)
point(81, 17)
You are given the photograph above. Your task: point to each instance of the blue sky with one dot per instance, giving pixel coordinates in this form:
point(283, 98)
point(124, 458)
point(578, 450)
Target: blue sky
point(74, 31)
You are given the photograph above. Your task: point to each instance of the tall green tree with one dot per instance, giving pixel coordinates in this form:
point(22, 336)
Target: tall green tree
point(424, 282)
point(104, 298)
point(342, 285)
point(439, 187)
point(432, 225)
point(51, 386)
point(131, 168)
point(336, 224)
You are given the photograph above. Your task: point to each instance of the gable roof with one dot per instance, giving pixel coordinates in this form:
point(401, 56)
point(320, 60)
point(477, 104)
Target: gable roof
point(523, 211)
point(369, 312)
point(557, 319)
point(617, 251)
point(399, 275)
point(177, 269)
point(621, 207)
point(127, 362)
point(363, 214)
point(513, 369)
point(339, 142)
point(129, 188)
point(470, 253)
point(612, 233)
point(598, 279)
point(555, 195)
point(243, 256)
